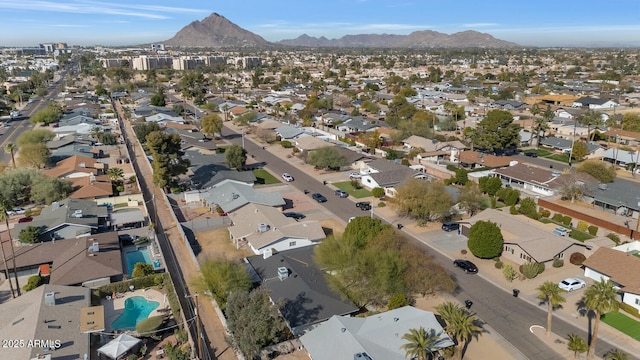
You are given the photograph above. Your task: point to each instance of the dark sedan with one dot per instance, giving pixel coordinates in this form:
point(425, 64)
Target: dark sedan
point(466, 265)
point(295, 215)
point(319, 197)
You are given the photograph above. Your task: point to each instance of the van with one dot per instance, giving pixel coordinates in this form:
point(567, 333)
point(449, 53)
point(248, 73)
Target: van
point(560, 231)
point(450, 226)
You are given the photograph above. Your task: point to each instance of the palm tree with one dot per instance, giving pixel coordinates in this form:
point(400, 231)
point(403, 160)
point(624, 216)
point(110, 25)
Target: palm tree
point(461, 325)
point(616, 354)
point(421, 343)
point(4, 207)
point(590, 118)
point(11, 148)
point(576, 344)
point(115, 174)
point(550, 294)
point(535, 110)
point(601, 297)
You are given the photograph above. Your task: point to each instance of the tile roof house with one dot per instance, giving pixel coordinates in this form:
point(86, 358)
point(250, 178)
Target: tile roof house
point(263, 228)
point(76, 166)
point(91, 187)
point(298, 285)
point(373, 337)
point(474, 159)
point(527, 240)
point(50, 313)
point(68, 219)
point(621, 267)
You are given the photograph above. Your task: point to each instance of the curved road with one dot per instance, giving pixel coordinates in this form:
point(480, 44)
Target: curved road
point(511, 317)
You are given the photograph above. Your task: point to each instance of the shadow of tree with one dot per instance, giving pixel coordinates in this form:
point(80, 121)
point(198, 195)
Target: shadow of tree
point(298, 311)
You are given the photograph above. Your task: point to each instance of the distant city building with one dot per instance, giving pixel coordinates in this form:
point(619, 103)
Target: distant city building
point(157, 47)
point(147, 62)
point(52, 47)
point(250, 62)
point(109, 63)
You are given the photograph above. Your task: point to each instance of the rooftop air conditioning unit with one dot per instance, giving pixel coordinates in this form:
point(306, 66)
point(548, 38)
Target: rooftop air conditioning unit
point(283, 273)
point(50, 298)
point(263, 227)
point(77, 214)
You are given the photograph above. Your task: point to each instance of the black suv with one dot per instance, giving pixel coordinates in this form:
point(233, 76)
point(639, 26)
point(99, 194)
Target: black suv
point(466, 265)
point(295, 215)
point(450, 226)
point(364, 205)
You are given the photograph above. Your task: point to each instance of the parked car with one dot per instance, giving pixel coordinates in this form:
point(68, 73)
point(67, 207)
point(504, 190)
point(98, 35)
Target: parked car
point(450, 226)
point(341, 193)
point(295, 215)
point(25, 219)
point(355, 175)
point(531, 154)
point(16, 211)
point(570, 284)
point(287, 177)
point(466, 265)
point(363, 205)
point(560, 231)
point(319, 197)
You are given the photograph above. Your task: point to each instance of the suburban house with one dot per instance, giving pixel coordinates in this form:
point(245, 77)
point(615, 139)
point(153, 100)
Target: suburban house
point(622, 157)
point(231, 196)
point(620, 197)
point(91, 187)
point(287, 132)
point(568, 128)
point(68, 219)
point(51, 314)
point(594, 103)
point(623, 137)
point(474, 159)
point(565, 146)
point(209, 170)
point(76, 166)
point(374, 337)
point(69, 145)
point(621, 266)
point(263, 228)
point(526, 240)
point(509, 105)
point(308, 143)
point(298, 286)
point(434, 150)
point(387, 174)
point(163, 119)
point(537, 180)
point(357, 124)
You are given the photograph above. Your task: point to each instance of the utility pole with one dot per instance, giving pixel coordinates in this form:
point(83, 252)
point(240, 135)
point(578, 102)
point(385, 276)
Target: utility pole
point(198, 327)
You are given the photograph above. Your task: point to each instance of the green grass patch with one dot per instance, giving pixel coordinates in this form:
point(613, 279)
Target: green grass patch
point(356, 193)
point(623, 323)
point(580, 236)
point(559, 157)
point(221, 149)
point(264, 177)
point(637, 255)
point(545, 221)
point(540, 152)
point(120, 205)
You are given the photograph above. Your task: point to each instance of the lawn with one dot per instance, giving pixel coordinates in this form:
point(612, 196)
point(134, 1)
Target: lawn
point(265, 177)
point(580, 236)
point(356, 193)
point(623, 323)
point(560, 157)
point(540, 152)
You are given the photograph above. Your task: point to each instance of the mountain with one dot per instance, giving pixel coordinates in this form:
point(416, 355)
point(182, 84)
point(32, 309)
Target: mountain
point(417, 39)
point(215, 31)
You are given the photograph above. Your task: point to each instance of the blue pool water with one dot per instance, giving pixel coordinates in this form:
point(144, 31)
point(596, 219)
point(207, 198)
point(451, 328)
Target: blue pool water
point(136, 309)
point(134, 257)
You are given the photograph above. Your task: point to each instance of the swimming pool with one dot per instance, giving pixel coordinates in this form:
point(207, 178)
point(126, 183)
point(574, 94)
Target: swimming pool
point(136, 309)
point(134, 257)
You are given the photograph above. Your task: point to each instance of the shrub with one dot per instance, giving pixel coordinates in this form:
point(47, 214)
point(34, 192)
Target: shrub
point(593, 230)
point(509, 273)
point(614, 237)
point(545, 213)
point(499, 264)
point(451, 167)
point(404, 162)
point(496, 259)
point(33, 282)
point(513, 210)
point(582, 226)
point(630, 309)
point(566, 220)
point(286, 144)
point(377, 192)
point(557, 263)
point(149, 325)
point(142, 269)
point(532, 269)
point(356, 184)
point(398, 301)
point(557, 218)
point(422, 223)
point(577, 258)
point(485, 240)
point(382, 204)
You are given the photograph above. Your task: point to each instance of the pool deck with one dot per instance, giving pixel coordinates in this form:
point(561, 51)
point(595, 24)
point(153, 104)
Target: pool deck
point(115, 306)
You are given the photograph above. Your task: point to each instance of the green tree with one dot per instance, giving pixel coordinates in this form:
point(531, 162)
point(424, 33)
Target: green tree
point(590, 118)
point(50, 114)
point(34, 155)
point(423, 200)
point(32, 283)
point(35, 136)
point(326, 157)
point(550, 293)
point(508, 195)
point(420, 343)
point(168, 162)
point(45, 190)
point(115, 173)
point(490, 185)
point(601, 297)
point(497, 131)
point(142, 269)
point(158, 99)
point(235, 157)
point(528, 207)
point(461, 325)
point(470, 198)
point(603, 172)
point(485, 240)
point(577, 345)
point(143, 129)
point(29, 235)
point(11, 148)
point(211, 124)
point(616, 354)
point(361, 229)
point(221, 278)
point(579, 150)
point(253, 321)
point(398, 301)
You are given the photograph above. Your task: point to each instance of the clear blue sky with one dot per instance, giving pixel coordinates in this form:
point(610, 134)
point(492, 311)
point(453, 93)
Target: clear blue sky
point(130, 22)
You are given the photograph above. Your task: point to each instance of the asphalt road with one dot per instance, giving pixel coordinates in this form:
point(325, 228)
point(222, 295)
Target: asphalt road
point(511, 317)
